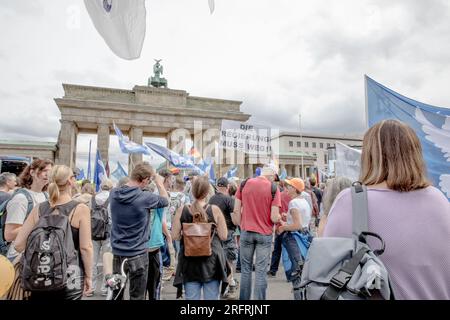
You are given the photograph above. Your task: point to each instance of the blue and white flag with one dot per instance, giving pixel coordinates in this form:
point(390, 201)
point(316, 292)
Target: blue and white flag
point(128, 146)
point(121, 23)
point(231, 172)
point(283, 174)
point(212, 174)
point(80, 175)
point(174, 158)
point(431, 124)
point(120, 172)
point(99, 171)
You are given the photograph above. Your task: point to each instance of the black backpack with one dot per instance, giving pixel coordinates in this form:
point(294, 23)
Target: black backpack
point(4, 245)
point(50, 261)
point(273, 189)
point(99, 220)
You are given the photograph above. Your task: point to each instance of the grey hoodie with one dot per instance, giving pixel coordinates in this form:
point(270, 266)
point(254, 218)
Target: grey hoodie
point(130, 213)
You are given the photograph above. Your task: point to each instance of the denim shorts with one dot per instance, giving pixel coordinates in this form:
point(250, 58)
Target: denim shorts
point(229, 247)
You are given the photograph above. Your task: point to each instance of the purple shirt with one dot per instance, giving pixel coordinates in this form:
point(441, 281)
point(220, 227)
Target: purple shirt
point(416, 229)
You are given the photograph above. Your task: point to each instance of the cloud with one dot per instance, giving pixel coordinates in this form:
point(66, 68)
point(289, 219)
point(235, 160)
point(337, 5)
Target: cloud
point(23, 8)
point(279, 59)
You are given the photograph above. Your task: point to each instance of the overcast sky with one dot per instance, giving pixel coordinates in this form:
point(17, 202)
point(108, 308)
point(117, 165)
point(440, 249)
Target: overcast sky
point(279, 57)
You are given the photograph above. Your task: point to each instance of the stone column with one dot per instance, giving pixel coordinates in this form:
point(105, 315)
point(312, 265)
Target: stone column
point(67, 143)
point(249, 170)
point(297, 171)
point(291, 170)
point(240, 160)
point(136, 135)
point(103, 142)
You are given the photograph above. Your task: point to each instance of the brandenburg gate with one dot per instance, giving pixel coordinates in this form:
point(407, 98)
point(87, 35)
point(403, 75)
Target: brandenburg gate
point(144, 111)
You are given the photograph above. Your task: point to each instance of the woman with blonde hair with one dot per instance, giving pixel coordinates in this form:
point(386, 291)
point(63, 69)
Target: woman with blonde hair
point(333, 187)
point(199, 274)
point(412, 217)
point(60, 201)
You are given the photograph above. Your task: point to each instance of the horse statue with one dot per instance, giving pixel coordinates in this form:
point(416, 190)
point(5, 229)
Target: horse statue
point(157, 81)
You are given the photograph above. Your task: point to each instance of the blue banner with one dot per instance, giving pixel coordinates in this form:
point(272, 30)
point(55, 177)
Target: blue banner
point(431, 124)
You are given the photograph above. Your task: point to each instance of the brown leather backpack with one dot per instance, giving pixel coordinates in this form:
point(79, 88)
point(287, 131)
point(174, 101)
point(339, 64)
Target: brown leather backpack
point(198, 236)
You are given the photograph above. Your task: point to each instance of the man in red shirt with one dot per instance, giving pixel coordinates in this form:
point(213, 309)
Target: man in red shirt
point(256, 211)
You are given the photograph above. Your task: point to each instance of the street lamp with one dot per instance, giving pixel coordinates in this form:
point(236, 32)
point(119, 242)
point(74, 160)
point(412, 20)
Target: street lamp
point(301, 141)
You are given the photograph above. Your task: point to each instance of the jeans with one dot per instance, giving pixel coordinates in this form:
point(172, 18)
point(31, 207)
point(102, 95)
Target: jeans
point(154, 275)
point(276, 254)
point(136, 269)
point(100, 248)
point(165, 253)
point(254, 243)
point(193, 290)
point(238, 262)
point(294, 254)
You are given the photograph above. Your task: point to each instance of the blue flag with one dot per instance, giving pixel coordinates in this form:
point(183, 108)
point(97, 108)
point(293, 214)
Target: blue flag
point(231, 172)
point(431, 124)
point(212, 174)
point(283, 174)
point(127, 146)
point(80, 175)
point(174, 158)
point(120, 172)
point(99, 171)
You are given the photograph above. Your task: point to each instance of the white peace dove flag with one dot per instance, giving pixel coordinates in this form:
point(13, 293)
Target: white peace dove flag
point(348, 161)
point(121, 23)
point(211, 5)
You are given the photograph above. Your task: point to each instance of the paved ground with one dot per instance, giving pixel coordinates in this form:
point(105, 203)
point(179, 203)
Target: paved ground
point(278, 289)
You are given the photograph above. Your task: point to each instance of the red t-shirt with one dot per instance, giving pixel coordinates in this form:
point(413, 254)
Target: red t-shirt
point(285, 199)
point(256, 200)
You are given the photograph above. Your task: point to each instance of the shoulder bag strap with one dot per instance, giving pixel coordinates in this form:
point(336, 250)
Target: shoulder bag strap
point(359, 210)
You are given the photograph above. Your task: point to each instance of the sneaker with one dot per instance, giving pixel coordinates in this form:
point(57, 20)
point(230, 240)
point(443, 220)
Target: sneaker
point(89, 294)
point(271, 274)
point(232, 292)
point(167, 274)
point(238, 270)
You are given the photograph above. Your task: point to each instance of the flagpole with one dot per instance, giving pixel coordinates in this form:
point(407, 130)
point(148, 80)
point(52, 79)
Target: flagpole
point(89, 162)
point(301, 142)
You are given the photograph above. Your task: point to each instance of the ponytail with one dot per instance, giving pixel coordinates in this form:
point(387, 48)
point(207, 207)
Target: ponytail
point(200, 189)
point(59, 178)
point(53, 191)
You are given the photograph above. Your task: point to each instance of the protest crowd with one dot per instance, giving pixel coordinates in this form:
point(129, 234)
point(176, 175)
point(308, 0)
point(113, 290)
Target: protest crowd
point(224, 239)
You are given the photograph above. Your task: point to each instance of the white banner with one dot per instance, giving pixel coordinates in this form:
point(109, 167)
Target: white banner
point(121, 24)
point(348, 161)
point(244, 137)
